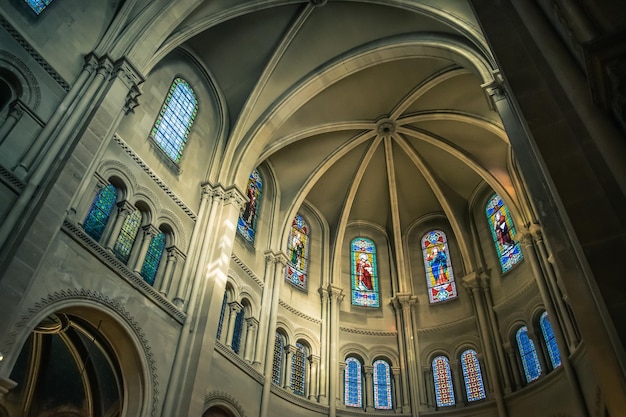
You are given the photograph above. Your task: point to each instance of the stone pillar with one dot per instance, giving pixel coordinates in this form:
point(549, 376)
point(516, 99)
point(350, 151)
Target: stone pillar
point(139, 256)
point(172, 256)
point(396, 391)
point(252, 325)
point(368, 392)
point(342, 381)
point(335, 296)
point(15, 114)
point(266, 308)
point(234, 308)
point(513, 361)
point(290, 350)
point(313, 385)
point(403, 305)
point(124, 208)
point(324, 376)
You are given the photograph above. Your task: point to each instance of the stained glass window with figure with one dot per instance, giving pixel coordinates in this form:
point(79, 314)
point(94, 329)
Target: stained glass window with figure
point(246, 225)
point(442, 376)
point(382, 385)
point(472, 376)
point(100, 212)
point(364, 273)
point(439, 275)
point(298, 252)
point(503, 233)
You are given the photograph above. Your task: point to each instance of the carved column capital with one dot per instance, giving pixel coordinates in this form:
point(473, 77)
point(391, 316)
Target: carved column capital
point(471, 282)
point(313, 359)
point(125, 208)
point(403, 301)
point(150, 230)
point(335, 293)
point(235, 307)
point(494, 89)
point(252, 323)
point(368, 369)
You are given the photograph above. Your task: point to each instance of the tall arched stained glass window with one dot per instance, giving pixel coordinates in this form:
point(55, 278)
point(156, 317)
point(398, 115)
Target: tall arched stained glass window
point(472, 376)
point(298, 369)
point(528, 354)
point(246, 225)
point(279, 350)
point(353, 395)
point(439, 276)
point(172, 127)
point(126, 238)
point(364, 273)
point(503, 233)
point(100, 211)
point(220, 324)
point(550, 340)
point(237, 331)
point(153, 258)
point(442, 376)
point(382, 385)
point(298, 250)
point(38, 5)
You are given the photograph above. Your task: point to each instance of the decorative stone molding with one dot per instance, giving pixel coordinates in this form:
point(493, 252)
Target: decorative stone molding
point(368, 332)
point(33, 85)
point(223, 398)
point(298, 312)
point(531, 284)
point(298, 400)
point(227, 352)
point(494, 89)
point(247, 270)
point(462, 324)
point(117, 139)
point(13, 182)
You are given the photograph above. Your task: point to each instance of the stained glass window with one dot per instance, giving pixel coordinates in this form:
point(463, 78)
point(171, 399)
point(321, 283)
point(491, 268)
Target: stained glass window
point(298, 250)
point(172, 127)
point(439, 276)
point(100, 211)
point(550, 340)
point(472, 376)
point(528, 354)
point(353, 384)
point(279, 348)
point(364, 273)
point(503, 233)
point(298, 369)
point(38, 5)
point(246, 225)
point(382, 385)
point(126, 238)
point(444, 391)
point(220, 324)
point(237, 331)
point(153, 258)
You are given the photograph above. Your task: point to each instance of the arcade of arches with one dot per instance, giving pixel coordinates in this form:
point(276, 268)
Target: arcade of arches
point(312, 207)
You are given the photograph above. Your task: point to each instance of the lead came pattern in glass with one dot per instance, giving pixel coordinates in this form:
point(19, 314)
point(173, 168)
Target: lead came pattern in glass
point(278, 355)
point(220, 324)
point(364, 273)
point(38, 5)
point(298, 369)
point(172, 127)
point(100, 211)
point(472, 375)
point(153, 258)
point(127, 236)
point(439, 275)
point(236, 343)
point(298, 250)
point(550, 339)
point(382, 385)
point(246, 224)
point(528, 354)
point(503, 233)
point(352, 379)
point(444, 392)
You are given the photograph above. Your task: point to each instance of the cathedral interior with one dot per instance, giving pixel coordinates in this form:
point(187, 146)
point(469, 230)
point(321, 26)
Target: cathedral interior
point(253, 208)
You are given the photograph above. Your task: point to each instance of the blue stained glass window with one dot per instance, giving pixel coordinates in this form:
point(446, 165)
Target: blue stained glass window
point(236, 343)
point(364, 273)
point(220, 324)
point(38, 5)
point(473, 377)
point(439, 276)
point(298, 370)
point(550, 340)
point(171, 128)
point(442, 376)
point(126, 238)
point(153, 258)
point(503, 233)
point(382, 385)
point(353, 384)
point(279, 348)
point(246, 225)
point(100, 211)
point(298, 250)
point(528, 354)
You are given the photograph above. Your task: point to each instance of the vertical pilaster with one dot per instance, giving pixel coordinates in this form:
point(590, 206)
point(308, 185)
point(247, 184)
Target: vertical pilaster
point(138, 257)
point(368, 392)
point(323, 387)
point(313, 385)
point(172, 256)
point(233, 309)
point(290, 350)
point(266, 307)
point(511, 354)
point(403, 305)
point(335, 295)
point(252, 326)
point(124, 208)
point(396, 392)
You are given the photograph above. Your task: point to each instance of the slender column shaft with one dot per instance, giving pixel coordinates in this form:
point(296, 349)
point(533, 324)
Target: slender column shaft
point(123, 210)
point(170, 267)
point(252, 326)
point(335, 295)
point(234, 309)
point(289, 352)
point(323, 371)
point(369, 388)
point(15, 114)
point(149, 232)
point(266, 307)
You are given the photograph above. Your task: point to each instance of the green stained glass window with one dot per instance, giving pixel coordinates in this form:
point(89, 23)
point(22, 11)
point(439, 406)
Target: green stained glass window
point(172, 127)
point(298, 250)
point(126, 238)
point(153, 258)
point(100, 211)
point(503, 233)
point(38, 5)
point(298, 369)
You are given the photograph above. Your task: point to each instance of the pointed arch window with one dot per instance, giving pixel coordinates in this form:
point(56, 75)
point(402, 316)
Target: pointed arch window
point(472, 376)
point(503, 233)
point(442, 376)
point(364, 273)
point(246, 225)
point(279, 350)
point(353, 395)
point(153, 258)
point(550, 340)
point(237, 331)
point(100, 212)
point(382, 385)
point(38, 5)
point(220, 324)
point(298, 369)
point(172, 127)
point(528, 354)
point(439, 276)
point(298, 250)
point(126, 238)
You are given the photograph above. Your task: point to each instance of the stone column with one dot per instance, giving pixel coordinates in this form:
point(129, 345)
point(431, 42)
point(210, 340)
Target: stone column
point(252, 325)
point(139, 256)
point(324, 376)
point(234, 308)
point(512, 355)
point(15, 114)
point(396, 390)
point(313, 385)
point(266, 308)
point(172, 257)
point(124, 208)
point(335, 295)
point(290, 350)
point(368, 392)
point(403, 305)
point(342, 381)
